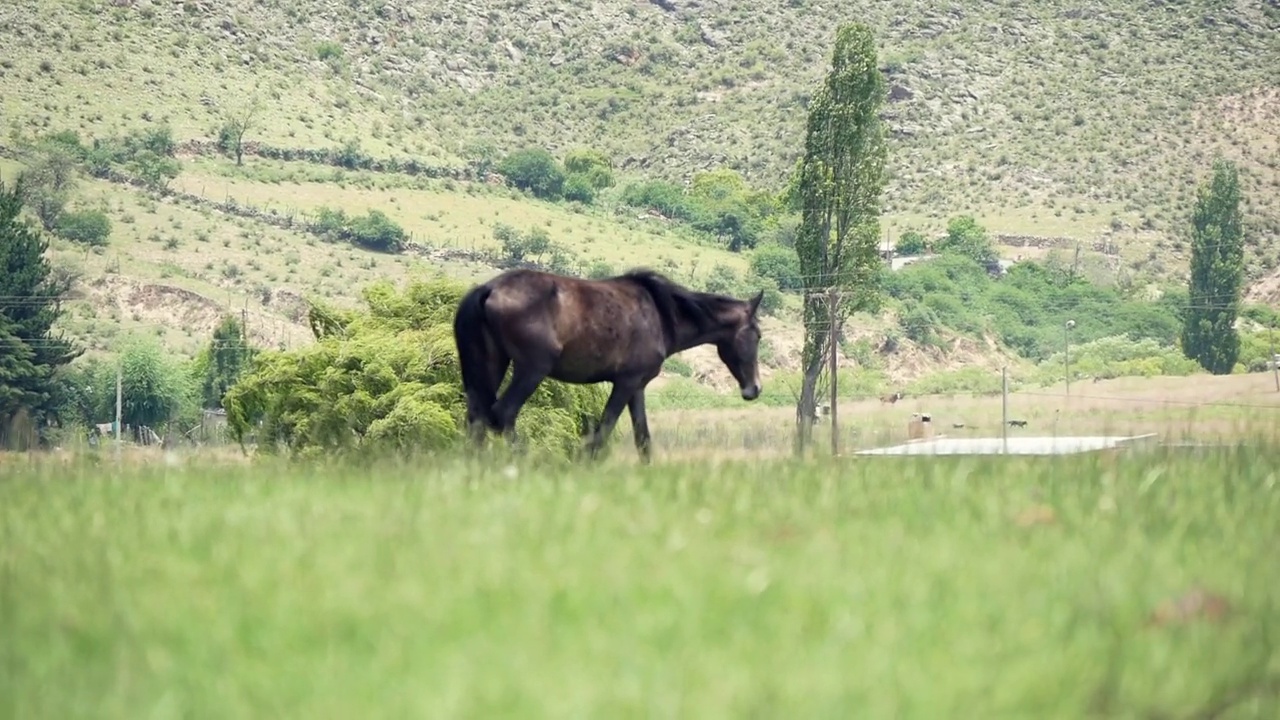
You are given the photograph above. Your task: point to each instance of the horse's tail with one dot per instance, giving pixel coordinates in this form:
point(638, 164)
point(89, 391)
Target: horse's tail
point(470, 329)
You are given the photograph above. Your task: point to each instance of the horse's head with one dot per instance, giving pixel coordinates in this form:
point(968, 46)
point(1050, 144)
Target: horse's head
point(739, 346)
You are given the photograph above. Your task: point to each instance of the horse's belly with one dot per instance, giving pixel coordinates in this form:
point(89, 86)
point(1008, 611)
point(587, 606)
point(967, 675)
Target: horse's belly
point(584, 370)
point(586, 362)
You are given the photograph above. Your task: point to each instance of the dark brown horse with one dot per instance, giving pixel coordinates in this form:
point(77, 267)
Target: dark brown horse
point(618, 330)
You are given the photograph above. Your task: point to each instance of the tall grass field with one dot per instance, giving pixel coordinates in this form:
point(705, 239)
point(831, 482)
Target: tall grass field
point(1138, 585)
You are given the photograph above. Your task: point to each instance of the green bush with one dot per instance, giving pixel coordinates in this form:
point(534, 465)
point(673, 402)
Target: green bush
point(661, 196)
point(535, 170)
point(87, 227)
point(590, 167)
point(599, 270)
point(966, 237)
point(373, 230)
point(578, 188)
point(911, 243)
point(533, 245)
point(1117, 356)
point(1027, 309)
point(778, 263)
point(920, 324)
point(376, 231)
point(386, 380)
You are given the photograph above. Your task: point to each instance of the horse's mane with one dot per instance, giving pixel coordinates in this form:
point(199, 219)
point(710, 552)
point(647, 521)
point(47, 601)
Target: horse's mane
point(674, 301)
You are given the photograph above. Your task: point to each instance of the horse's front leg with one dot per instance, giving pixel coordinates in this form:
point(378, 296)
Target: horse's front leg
point(640, 425)
point(623, 391)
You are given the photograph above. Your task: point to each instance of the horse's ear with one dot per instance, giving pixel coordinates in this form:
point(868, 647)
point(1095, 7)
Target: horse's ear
point(755, 302)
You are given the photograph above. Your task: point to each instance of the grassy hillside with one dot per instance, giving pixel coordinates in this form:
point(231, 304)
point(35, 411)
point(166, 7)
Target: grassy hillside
point(1101, 112)
point(1087, 121)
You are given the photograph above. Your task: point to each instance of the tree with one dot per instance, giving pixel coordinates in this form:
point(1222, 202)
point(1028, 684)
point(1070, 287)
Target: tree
point(728, 208)
point(911, 243)
point(223, 362)
point(87, 227)
point(966, 237)
point(48, 181)
point(1217, 273)
point(32, 352)
point(590, 166)
point(841, 178)
point(778, 263)
point(155, 388)
point(535, 170)
point(237, 124)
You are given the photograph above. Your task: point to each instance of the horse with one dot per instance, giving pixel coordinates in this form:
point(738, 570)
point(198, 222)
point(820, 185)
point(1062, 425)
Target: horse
point(619, 330)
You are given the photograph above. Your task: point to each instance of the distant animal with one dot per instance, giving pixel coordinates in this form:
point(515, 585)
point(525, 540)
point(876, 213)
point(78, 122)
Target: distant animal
point(1017, 423)
point(957, 426)
point(618, 330)
point(891, 398)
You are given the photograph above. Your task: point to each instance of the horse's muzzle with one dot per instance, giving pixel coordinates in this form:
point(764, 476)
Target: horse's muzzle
point(751, 392)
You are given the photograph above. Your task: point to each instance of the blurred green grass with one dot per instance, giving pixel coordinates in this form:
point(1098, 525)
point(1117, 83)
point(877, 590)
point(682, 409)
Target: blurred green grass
point(822, 588)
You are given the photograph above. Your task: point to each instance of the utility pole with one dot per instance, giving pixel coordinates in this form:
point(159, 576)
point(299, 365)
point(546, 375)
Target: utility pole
point(1066, 353)
point(832, 298)
point(244, 322)
point(1004, 410)
point(119, 401)
point(1275, 365)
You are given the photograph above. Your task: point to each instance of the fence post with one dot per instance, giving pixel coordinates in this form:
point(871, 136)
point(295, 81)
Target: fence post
point(1004, 411)
point(832, 298)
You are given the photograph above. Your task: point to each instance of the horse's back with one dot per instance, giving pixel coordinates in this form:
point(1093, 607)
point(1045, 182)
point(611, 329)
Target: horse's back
point(593, 328)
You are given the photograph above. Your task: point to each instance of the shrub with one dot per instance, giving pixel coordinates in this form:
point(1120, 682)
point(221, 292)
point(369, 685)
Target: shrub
point(87, 227)
point(920, 324)
point(781, 264)
point(373, 231)
point(599, 270)
point(376, 231)
point(911, 243)
point(578, 188)
point(535, 170)
point(591, 167)
point(386, 379)
point(659, 195)
point(966, 237)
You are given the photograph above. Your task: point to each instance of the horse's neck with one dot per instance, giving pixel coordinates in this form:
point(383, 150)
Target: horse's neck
point(689, 336)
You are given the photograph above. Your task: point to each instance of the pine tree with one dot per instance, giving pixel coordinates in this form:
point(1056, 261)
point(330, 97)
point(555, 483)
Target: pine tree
point(29, 306)
point(1217, 273)
point(838, 187)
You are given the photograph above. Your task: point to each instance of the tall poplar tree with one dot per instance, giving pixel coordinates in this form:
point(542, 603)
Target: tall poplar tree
point(838, 187)
point(1217, 273)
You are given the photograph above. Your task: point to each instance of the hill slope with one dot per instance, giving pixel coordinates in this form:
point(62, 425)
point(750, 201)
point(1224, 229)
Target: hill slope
point(1096, 109)
point(1092, 120)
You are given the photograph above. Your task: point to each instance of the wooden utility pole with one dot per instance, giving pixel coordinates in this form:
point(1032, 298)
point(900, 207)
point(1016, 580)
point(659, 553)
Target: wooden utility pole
point(1275, 366)
point(1004, 410)
point(119, 402)
point(832, 299)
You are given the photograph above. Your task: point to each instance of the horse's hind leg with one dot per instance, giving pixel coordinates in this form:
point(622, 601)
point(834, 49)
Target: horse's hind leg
point(525, 379)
